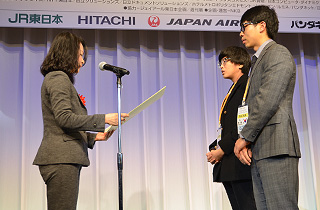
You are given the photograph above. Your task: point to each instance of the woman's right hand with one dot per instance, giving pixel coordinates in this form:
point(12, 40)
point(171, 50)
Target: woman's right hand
point(112, 118)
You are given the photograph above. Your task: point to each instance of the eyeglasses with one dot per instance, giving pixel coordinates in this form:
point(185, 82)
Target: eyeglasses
point(244, 25)
point(223, 61)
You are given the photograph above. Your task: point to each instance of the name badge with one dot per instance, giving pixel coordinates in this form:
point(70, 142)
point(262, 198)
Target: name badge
point(218, 136)
point(242, 118)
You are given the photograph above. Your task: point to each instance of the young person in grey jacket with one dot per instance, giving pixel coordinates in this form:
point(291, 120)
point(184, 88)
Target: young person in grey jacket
point(271, 129)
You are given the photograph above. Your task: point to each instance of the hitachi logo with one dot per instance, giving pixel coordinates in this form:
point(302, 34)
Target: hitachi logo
point(190, 22)
point(100, 20)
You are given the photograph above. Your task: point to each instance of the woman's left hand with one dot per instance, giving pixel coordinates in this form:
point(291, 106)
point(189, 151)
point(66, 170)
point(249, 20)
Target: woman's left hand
point(103, 136)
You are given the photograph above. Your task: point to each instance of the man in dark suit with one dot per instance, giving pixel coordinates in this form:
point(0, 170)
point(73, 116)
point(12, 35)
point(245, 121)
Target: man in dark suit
point(235, 177)
point(270, 130)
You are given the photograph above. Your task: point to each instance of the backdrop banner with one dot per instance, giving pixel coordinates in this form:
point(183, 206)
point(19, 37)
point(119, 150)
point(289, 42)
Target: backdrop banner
point(295, 16)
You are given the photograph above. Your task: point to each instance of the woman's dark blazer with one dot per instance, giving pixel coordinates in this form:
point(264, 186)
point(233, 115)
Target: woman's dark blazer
point(230, 168)
point(65, 122)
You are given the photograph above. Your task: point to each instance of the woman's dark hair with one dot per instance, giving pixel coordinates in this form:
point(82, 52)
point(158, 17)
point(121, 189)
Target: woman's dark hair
point(237, 55)
point(261, 13)
point(64, 54)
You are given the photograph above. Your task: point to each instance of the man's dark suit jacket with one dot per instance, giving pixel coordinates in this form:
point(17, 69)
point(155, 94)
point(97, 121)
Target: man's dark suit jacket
point(230, 168)
point(65, 121)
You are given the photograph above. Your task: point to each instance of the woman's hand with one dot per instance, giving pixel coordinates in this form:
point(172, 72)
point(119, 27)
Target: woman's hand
point(104, 136)
point(112, 118)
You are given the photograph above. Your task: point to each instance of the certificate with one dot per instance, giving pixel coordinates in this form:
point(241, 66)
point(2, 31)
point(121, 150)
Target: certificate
point(141, 107)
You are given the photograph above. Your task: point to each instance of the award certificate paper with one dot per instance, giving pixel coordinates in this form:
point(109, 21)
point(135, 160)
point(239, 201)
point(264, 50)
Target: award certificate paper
point(141, 107)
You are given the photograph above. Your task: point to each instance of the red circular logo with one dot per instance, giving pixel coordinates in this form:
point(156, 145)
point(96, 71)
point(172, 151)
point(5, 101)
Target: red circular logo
point(154, 21)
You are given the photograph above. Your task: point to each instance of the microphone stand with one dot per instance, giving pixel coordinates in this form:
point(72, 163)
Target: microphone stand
point(120, 72)
point(119, 155)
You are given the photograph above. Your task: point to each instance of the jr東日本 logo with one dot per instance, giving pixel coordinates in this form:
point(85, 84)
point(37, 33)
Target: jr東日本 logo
point(154, 21)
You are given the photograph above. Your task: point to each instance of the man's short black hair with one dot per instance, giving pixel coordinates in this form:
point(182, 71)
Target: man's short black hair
point(237, 55)
point(261, 13)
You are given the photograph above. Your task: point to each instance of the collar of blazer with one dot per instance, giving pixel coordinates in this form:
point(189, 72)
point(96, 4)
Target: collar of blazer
point(240, 81)
point(264, 51)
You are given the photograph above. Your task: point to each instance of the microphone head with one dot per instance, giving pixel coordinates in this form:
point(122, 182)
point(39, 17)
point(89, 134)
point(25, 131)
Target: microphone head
point(101, 65)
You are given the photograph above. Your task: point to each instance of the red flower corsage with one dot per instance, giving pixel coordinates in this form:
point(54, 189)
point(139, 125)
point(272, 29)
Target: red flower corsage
point(82, 99)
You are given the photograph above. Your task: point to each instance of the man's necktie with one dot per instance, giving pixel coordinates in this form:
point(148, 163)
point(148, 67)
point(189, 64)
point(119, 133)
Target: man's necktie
point(253, 61)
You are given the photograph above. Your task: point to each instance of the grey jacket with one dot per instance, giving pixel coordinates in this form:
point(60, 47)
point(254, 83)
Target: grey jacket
point(271, 127)
point(65, 122)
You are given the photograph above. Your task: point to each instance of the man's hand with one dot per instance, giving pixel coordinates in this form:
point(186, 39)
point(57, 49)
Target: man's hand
point(242, 152)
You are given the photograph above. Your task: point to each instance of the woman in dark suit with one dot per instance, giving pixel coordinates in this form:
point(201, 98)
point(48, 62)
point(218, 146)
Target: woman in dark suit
point(64, 147)
point(235, 64)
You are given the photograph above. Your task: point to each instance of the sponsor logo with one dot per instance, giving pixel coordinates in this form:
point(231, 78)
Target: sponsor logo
point(102, 20)
point(36, 18)
point(200, 22)
point(203, 22)
point(228, 23)
point(305, 24)
point(154, 21)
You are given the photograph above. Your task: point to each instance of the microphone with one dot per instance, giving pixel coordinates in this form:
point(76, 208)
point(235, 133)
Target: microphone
point(117, 70)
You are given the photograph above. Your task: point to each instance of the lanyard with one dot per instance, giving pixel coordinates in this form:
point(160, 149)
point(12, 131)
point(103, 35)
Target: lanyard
point(245, 92)
point(225, 101)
